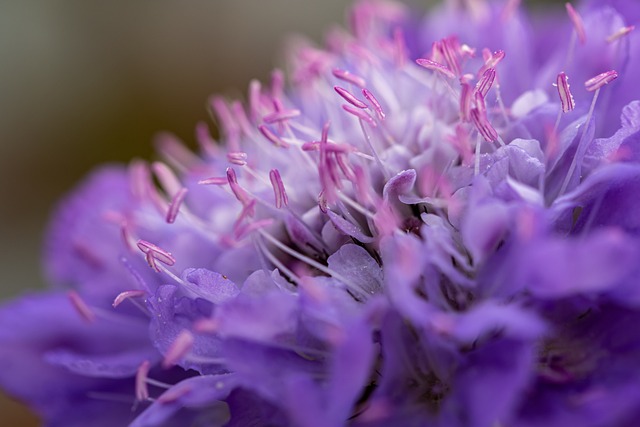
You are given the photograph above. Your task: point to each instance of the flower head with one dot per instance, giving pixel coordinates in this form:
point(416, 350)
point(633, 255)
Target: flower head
point(418, 228)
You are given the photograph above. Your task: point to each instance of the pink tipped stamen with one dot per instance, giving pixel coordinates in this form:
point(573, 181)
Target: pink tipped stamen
point(178, 349)
point(272, 137)
point(123, 296)
point(374, 102)
point(622, 32)
point(237, 190)
point(465, 102)
point(255, 99)
point(154, 253)
point(600, 80)
point(216, 180)
point(483, 125)
point(279, 192)
point(142, 391)
point(486, 81)
point(277, 83)
point(491, 60)
point(349, 77)
point(205, 141)
point(449, 49)
point(435, 66)
point(281, 116)
point(81, 307)
point(237, 158)
point(566, 98)
point(343, 164)
point(168, 179)
point(578, 25)
point(359, 114)
point(224, 115)
point(174, 206)
point(348, 96)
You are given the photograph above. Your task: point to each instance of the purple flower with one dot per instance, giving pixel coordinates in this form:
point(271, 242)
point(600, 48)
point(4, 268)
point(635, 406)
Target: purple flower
point(419, 228)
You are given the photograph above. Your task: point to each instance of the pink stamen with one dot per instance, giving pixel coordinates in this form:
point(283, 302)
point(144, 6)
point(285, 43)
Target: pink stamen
point(127, 237)
point(224, 115)
point(277, 83)
point(255, 99)
point(122, 296)
point(204, 139)
point(486, 81)
point(344, 166)
point(484, 127)
point(434, 66)
point(139, 176)
point(600, 80)
point(142, 391)
point(178, 349)
point(281, 116)
point(578, 25)
point(174, 206)
point(620, 33)
point(278, 189)
point(272, 137)
point(241, 116)
point(332, 147)
point(449, 48)
point(566, 98)
point(237, 190)
point(465, 101)
point(376, 105)
point(349, 77)
point(169, 181)
point(81, 307)
point(362, 184)
point(237, 158)
point(216, 180)
point(480, 120)
point(359, 114)
point(348, 96)
point(400, 47)
point(154, 253)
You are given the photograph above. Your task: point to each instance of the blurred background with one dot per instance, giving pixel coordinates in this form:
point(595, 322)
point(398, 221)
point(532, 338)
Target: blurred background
point(83, 83)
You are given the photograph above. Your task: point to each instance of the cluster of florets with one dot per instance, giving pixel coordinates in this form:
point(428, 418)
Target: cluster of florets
point(419, 229)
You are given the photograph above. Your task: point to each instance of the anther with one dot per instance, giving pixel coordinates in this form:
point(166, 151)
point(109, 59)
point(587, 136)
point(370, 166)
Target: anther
point(620, 33)
point(435, 66)
point(600, 80)
point(237, 190)
point(348, 96)
point(142, 391)
point(578, 25)
point(122, 296)
point(349, 77)
point(272, 137)
point(359, 114)
point(154, 253)
point(566, 98)
point(180, 347)
point(237, 158)
point(281, 116)
point(279, 192)
point(81, 307)
point(376, 105)
point(486, 81)
point(216, 180)
point(174, 207)
point(465, 101)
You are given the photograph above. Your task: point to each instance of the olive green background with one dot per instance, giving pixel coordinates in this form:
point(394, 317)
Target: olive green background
point(86, 82)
